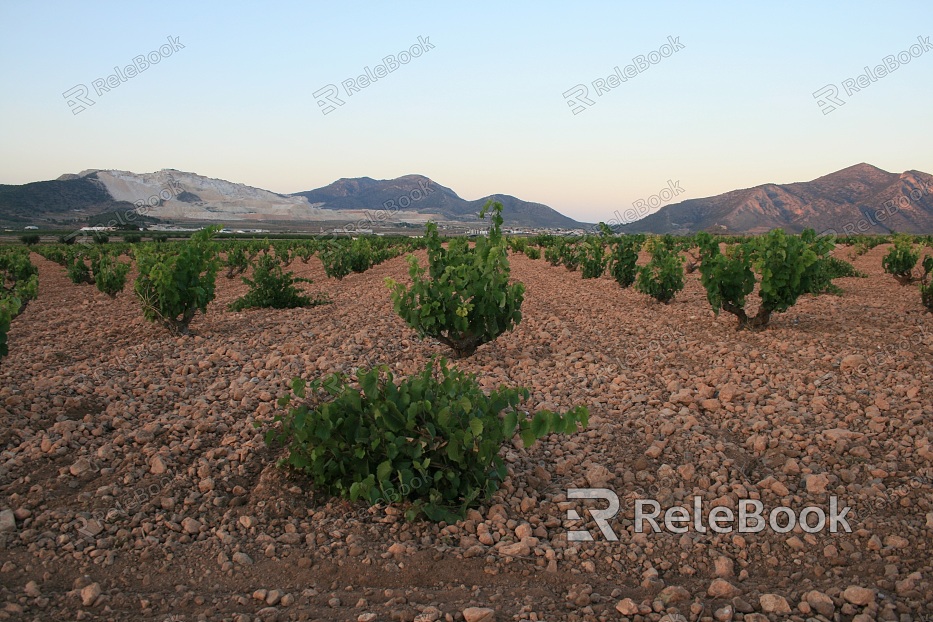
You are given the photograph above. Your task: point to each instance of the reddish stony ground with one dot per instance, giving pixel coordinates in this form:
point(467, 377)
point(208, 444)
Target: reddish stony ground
point(99, 407)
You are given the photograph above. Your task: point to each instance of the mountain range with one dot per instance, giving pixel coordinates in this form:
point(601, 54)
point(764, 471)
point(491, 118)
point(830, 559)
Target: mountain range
point(179, 196)
point(857, 199)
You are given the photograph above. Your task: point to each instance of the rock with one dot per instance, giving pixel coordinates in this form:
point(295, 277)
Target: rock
point(242, 559)
point(157, 465)
point(711, 405)
point(720, 588)
point(773, 603)
point(80, 467)
point(598, 476)
point(724, 567)
point(514, 549)
point(820, 602)
point(724, 614)
point(32, 590)
point(191, 526)
point(673, 594)
point(817, 483)
point(7, 521)
point(853, 362)
point(479, 614)
point(89, 594)
point(857, 595)
point(627, 607)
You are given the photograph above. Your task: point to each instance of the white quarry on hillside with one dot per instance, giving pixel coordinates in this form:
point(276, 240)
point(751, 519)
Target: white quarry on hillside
point(214, 199)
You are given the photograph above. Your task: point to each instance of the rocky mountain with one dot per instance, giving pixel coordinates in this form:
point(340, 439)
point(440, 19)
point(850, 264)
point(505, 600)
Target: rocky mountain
point(857, 199)
point(179, 196)
point(421, 195)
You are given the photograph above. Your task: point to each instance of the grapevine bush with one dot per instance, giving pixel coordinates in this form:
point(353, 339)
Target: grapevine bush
point(786, 267)
point(109, 274)
point(623, 257)
point(432, 440)
point(175, 283)
point(663, 276)
point(19, 283)
point(464, 299)
point(926, 284)
point(592, 256)
point(901, 259)
point(272, 287)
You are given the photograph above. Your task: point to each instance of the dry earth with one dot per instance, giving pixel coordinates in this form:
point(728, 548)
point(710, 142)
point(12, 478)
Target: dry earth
point(100, 408)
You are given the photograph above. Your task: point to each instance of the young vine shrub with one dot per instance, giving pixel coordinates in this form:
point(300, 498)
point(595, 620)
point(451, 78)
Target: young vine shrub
point(552, 254)
point(272, 287)
point(19, 283)
point(465, 299)
point(236, 262)
point(623, 258)
point(337, 259)
point(532, 252)
point(829, 268)
point(77, 269)
point(901, 259)
point(175, 283)
point(926, 284)
point(570, 256)
point(592, 257)
point(433, 440)
point(787, 267)
point(663, 276)
point(109, 274)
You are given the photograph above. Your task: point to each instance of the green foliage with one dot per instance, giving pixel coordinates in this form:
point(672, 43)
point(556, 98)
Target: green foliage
point(30, 239)
point(19, 283)
point(592, 257)
point(829, 268)
point(533, 252)
point(77, 269)
point(552, 254)
point(901, 259)
point(926, 284)
point(570, 256)
point(109, 274)
point(337, 261)
point(465, 299)
point(66, 239)
point(786, 266)
point(132, 238)
point(517, 245)
point(432, 440)
point(340, 258)
point(236, 261)
point(623, 258)
point(100, 237)
point(175, 283)
point(272, 287)
point(663, 276)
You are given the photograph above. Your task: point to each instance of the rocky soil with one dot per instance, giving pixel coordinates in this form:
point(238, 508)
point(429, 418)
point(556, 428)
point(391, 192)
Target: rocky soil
point(134, 485)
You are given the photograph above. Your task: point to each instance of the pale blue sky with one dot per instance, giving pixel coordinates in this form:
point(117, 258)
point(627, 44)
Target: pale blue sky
point(481, 112)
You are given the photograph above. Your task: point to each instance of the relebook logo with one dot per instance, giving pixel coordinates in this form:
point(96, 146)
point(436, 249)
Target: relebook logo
point(680, 519)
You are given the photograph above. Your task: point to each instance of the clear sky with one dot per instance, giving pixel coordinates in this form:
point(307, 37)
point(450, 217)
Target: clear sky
point(483, 110)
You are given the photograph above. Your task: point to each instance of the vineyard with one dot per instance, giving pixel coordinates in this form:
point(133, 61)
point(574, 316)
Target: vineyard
point(387, 428)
